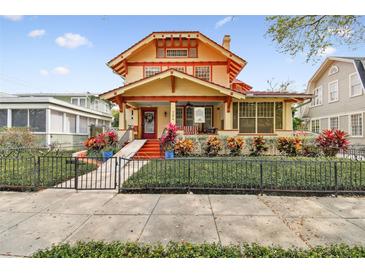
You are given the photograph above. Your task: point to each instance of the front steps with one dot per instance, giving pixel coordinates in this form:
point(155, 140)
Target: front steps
point(150, 150)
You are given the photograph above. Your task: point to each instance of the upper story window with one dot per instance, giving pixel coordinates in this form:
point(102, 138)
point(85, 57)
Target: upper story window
point(150, 71)
point(202, 73)
point(178, 68)
point(333, 91)
point(79, 101)
point(355, 85)
point(333, 70)
point(318, 96)
point(176, 48)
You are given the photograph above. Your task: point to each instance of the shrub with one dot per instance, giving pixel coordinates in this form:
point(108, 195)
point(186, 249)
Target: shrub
point(98, 249)
point(258, 146)
point(16, 139)
point(330, 141)
point(212, 146)
point(235, 145)
point(169, 138)
point(184, 147)
point(107, 140)
point(291, 146)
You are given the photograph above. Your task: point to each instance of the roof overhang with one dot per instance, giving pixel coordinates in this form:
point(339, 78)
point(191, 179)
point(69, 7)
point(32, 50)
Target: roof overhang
point(109, 95)
point(295, 96)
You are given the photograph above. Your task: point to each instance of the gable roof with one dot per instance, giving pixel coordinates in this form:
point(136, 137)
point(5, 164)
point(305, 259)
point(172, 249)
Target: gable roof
point(118, 63)
point(167, 73)
point(358, 62)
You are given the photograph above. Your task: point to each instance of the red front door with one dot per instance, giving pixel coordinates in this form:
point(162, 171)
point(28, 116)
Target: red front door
point(149, 123)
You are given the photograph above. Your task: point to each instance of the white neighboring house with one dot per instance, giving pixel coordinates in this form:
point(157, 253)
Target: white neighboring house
point(338, 87)
point(63, 118)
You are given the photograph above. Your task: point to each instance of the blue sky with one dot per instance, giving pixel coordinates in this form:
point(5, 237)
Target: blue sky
point(68, 53)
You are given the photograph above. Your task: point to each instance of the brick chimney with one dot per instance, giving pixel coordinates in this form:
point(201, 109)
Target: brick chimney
point(227, 41)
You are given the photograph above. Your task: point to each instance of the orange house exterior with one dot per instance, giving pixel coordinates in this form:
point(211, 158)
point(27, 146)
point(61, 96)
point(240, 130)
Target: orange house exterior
point(188, 79)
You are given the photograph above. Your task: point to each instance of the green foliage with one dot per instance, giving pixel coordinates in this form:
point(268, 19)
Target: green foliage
point(100, 249)
point(313, 34)
point(115, 114)
point(259, 146)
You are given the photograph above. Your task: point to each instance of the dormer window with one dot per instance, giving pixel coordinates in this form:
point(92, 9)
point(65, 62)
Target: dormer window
point(333, 70)
point(150, 71)
point(202, 73)
point(176, 48)
point(176, 53)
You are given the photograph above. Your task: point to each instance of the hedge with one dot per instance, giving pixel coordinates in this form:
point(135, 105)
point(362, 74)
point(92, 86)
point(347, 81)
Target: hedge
point(99, 249)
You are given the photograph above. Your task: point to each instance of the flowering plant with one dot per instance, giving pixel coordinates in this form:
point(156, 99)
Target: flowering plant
point(235, 145)
point(168, 139)
point(330, 141)
point(102, 141)
point(291, 146)
point(184, 147)
point(259, 146)
point(212, 146)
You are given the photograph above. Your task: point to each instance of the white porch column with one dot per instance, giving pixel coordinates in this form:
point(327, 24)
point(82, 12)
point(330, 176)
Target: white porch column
point(122, 116)
point(228, 119)
point(173, 112)
point(9, 119)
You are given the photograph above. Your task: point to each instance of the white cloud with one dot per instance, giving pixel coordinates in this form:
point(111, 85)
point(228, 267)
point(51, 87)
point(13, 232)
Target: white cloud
point(61, 71)
point(37, 33)
point(224, 21)
point(72, 40)
point(13, 17)
point(44, 72)
point(328, 51)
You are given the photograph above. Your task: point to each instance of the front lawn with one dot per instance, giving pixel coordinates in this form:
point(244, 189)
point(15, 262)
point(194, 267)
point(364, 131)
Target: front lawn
point(268, 173)
point(187, 250)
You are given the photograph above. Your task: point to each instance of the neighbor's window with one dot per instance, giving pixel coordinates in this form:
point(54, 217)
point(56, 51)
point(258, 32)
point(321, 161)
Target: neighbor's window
point(265, 117)
point(37, 120)
point(355, 85)
point(19, 117)
point(70, 123)
point(279, 115)
point(317, 100)
point(3, 117)
point(333, 70)
point(356, 124)
point(150, 71)
point(92, 121)
point(333, 122)
point(247, 114)
point(202, 73)
point(79, 101)
point(56, 121)
point(333, 91)
point(179, 116)
point(176, 53)
point(315, 126)
point(83, 128)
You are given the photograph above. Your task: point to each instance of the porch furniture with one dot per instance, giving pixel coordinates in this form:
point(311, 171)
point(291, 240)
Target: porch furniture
point(189, 130)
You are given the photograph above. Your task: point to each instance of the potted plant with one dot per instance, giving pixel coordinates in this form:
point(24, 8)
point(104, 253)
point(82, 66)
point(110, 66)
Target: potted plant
point(168, 140)
point(107, 152)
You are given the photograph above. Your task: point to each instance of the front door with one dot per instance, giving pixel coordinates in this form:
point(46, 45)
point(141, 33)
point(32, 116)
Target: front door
point(149, 123)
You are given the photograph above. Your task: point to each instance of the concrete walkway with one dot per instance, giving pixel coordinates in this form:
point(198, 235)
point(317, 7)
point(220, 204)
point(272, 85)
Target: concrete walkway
point(32, 221)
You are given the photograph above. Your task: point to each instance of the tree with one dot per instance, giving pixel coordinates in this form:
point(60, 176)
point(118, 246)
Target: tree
point(275, 86)
point(115, 121)
point(313, 35)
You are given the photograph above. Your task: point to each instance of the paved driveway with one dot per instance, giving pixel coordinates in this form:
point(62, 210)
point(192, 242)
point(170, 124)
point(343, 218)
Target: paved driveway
point(32, 221)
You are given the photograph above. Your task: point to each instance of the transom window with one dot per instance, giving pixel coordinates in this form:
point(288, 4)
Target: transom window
point(318, 96)
point(333, 70)
point(355, 85)
point(150, 71)
point(333, 91)
point(202, 73)
point(315, 126)
point(356, 124)
point(176, 53)
point(334, 123)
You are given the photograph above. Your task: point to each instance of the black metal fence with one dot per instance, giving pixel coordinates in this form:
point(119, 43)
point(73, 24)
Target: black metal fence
point(38, 172)
point(244, 174)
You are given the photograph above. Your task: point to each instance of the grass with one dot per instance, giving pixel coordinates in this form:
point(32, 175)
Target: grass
point(280, 173)
point(187, 250)
point(31, 171)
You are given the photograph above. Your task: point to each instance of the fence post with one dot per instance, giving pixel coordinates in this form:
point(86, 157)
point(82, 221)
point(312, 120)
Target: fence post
point(38, 170)
point(261, 178)
point(76, 172)
point(189, 172)
point(336, 179)
point(119, 173)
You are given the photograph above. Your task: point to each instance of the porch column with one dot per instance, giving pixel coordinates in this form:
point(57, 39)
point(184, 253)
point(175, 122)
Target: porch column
point(288, 117)
point(228, 120)
point(173, 112)
point(122, 116)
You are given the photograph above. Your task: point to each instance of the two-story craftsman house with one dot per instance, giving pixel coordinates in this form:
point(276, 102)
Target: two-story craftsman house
point(190, 80)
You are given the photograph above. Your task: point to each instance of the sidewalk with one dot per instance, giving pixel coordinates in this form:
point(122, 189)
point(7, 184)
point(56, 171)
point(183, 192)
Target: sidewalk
point(32, 221)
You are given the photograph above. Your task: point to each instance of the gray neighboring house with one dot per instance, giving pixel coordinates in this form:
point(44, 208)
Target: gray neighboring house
point(63, 118)
point(338, 87)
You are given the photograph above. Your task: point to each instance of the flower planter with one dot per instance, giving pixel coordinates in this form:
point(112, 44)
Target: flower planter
point(107, 155)
point(169, 154)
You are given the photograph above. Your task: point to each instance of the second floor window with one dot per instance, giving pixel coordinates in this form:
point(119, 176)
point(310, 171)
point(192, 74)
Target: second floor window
point(78, 101)
point(317, 100)
point(150, 71)
point(202, 73)
point(333, 91)
point(355, 85)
